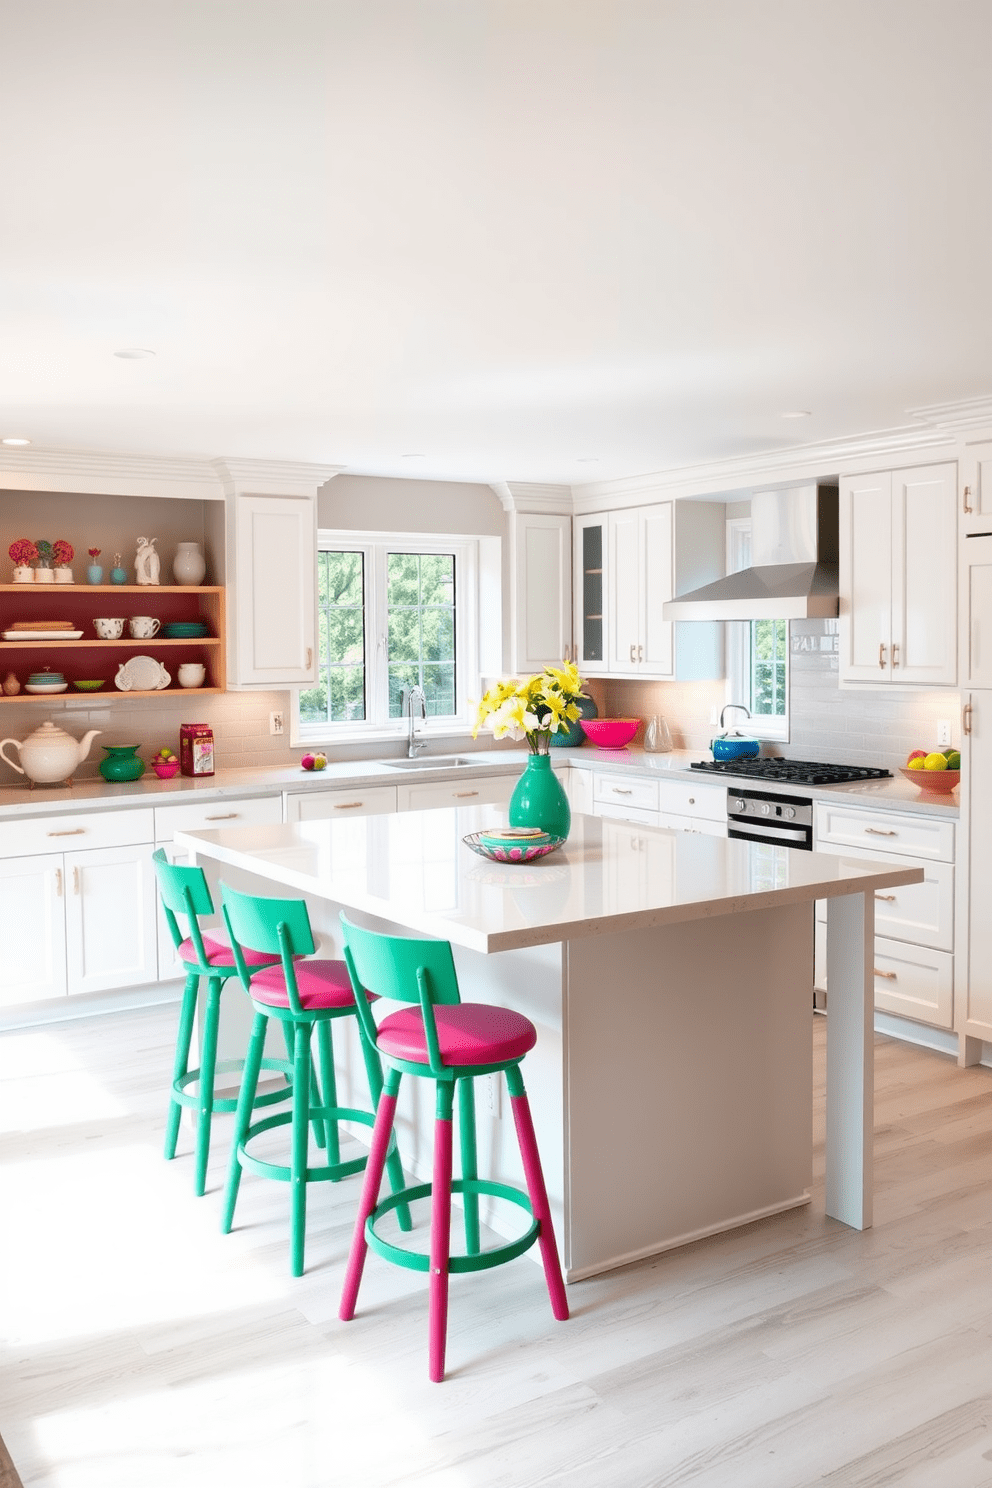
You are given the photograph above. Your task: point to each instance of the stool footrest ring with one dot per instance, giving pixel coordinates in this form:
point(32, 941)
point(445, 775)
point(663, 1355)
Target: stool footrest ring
point(224, 1103)
point(416, 1260)
point(325, 1172)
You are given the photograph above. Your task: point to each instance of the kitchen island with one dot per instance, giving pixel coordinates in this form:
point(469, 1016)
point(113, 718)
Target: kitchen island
point(670, 977)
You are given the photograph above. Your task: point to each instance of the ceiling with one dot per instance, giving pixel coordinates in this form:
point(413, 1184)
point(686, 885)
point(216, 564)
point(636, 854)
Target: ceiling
point(536, 240)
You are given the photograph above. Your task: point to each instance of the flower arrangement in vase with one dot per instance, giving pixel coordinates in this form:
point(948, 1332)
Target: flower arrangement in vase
point(118, 574)
point(44, 573)
point(23, 554)
point(95, 571)
point(534, 710)
point(62, 554)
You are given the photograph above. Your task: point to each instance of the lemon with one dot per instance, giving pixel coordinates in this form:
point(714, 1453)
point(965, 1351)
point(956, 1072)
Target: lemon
point(935, 762)
point(917, 763)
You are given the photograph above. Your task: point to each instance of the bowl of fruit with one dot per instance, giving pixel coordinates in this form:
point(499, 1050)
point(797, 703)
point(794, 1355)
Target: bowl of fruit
point(165, 764)
point(938, 771)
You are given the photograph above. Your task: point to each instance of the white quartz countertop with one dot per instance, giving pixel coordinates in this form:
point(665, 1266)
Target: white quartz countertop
point(96, 794)
point(412, 868)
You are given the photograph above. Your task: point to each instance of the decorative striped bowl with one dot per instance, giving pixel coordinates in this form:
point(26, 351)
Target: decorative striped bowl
point(521, 852)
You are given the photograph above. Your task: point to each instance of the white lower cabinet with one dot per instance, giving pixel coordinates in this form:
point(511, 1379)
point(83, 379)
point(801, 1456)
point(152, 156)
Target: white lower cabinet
point(85, 917)
point(914, 923)
point(312, 805)
point(493, 790)
point(679, 804)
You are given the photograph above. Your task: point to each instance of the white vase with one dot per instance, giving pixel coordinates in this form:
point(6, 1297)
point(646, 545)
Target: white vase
point(44, 576)
point(189, 564)
point(23, 574)
point(63, 575)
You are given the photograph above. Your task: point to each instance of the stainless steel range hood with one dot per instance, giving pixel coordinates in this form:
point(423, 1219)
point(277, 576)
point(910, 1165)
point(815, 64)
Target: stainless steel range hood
point(793, 575)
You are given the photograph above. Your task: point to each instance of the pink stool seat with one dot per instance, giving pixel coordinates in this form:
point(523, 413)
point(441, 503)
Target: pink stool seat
point(321, 984)
point(219, 954)
point(468, 1033)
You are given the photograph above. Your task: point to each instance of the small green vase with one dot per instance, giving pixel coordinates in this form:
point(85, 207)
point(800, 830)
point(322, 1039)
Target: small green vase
point(539, 799)
point(122, 762)
point(571, 734)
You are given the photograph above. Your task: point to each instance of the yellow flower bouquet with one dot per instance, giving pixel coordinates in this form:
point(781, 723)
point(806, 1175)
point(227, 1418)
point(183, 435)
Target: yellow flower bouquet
point(534, 709)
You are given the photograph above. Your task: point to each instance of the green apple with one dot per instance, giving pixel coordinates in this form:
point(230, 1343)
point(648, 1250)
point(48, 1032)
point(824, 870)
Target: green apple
point(320, 762)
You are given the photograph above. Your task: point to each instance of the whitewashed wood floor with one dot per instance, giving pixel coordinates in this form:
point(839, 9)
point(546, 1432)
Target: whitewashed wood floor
point(144, 1350)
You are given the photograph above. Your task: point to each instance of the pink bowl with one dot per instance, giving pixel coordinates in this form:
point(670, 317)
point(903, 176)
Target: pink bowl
point(166, 770)
point(941, 782)
point(610, 733)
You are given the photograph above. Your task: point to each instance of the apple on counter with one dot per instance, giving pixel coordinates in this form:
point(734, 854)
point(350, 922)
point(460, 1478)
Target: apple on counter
point(314, 762)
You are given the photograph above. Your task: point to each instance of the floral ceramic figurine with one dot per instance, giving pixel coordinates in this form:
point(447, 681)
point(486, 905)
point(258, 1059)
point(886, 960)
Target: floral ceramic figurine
point(62, 555)
point(146, 562)
point(22, 554)
point(95, 571)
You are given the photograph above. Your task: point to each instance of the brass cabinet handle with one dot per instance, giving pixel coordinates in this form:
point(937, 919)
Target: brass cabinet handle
point(895, 654)
point(889, 898)
point(966, 719)
point(75, 880)
point(881, 655)
point(632, 650)
point(967, 504)
point(309, 658)
point(223, 816)
point(347, 805)
point(877, 832)
point(458, 794)
point(889, 976)
point(75, 832)
point(58, 883)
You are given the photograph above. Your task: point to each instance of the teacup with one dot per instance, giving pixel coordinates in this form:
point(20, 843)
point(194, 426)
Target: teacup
point(109, 630)
point(191, 674)
point(143, 627)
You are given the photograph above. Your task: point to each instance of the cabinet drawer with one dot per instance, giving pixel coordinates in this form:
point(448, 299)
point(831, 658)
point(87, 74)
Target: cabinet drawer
point(364, 800)
point(425, 795)
point(202, 816)
point(922, 913)
point(619, 811)
point(627, 790)
point(61, 833)
point(692, 824)
point(885, 832)
point(914, 982)
point(686, 798)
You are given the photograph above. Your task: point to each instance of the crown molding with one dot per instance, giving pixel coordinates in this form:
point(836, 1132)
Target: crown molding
point(742, 475)
point(103, 473)
point(965, 413)
point(528, 496)
point(272, 477)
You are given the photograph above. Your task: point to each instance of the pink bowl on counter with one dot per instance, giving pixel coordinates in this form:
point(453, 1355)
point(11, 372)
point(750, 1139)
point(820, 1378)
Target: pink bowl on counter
point(610, 733)
point(165, 769)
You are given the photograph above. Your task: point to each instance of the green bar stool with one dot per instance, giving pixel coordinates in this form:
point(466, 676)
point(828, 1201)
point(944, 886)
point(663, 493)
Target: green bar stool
point(440, 1038)
point(184, 891)
point(305, 994)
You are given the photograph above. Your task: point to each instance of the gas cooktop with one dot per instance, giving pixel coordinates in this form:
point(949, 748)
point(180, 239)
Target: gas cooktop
point(791, 771)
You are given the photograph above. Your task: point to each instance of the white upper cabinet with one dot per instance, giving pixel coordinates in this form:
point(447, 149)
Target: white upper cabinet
point(589, 565)
point(976, 579)
point(976, 489)
point(274, 623)
point(540, 590)
point(639, 544)
point(898, 577)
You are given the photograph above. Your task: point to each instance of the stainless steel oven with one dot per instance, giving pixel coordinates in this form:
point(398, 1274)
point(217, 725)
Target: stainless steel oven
point(758, 816)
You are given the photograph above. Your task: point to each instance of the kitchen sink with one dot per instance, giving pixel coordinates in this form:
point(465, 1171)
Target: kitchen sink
point(432, 762)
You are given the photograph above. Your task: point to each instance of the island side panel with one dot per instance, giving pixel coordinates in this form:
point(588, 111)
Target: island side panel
point(850, 1059)
point(688, 1081)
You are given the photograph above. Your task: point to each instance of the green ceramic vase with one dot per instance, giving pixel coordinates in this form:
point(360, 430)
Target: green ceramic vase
point(122, 763)
point(571, 734)
point(539, 799)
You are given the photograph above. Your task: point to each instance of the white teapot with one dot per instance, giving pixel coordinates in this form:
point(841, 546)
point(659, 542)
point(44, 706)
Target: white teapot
point(49, 755)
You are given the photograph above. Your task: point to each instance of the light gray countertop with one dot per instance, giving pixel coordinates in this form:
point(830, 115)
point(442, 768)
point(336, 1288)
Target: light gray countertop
point(896, 794)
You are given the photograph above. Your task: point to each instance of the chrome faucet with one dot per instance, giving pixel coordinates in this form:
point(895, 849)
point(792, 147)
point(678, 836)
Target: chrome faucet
point(733, 705)
point(412, 696)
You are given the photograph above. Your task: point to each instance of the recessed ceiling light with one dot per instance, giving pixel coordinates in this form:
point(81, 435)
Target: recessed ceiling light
point(798, 413)
point(12, 440)
point(134, 353)
point(413, 457)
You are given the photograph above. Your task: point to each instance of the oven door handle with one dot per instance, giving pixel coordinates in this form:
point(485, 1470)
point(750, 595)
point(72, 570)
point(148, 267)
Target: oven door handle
point(748, 831)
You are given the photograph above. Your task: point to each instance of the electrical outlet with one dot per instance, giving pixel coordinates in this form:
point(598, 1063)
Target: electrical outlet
point(943, 731)
point(714, 715)
point(276, 724)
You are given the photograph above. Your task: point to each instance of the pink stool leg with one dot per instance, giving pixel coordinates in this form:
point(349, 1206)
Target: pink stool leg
point(371, 1184)
point(538, 1198)
point(440, 1235)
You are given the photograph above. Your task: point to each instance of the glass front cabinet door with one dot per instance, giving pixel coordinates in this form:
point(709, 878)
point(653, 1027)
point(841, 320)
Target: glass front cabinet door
point(589, 568)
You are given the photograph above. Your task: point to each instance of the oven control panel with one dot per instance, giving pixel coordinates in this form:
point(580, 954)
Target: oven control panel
point(758, 816)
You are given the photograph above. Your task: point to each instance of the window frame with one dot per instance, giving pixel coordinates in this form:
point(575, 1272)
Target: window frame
point(775, 729)
point(474, 557)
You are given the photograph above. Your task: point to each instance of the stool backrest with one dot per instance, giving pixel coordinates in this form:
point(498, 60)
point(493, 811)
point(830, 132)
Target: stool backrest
point(400, 970)
point(278, 927)
point(183, 890)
